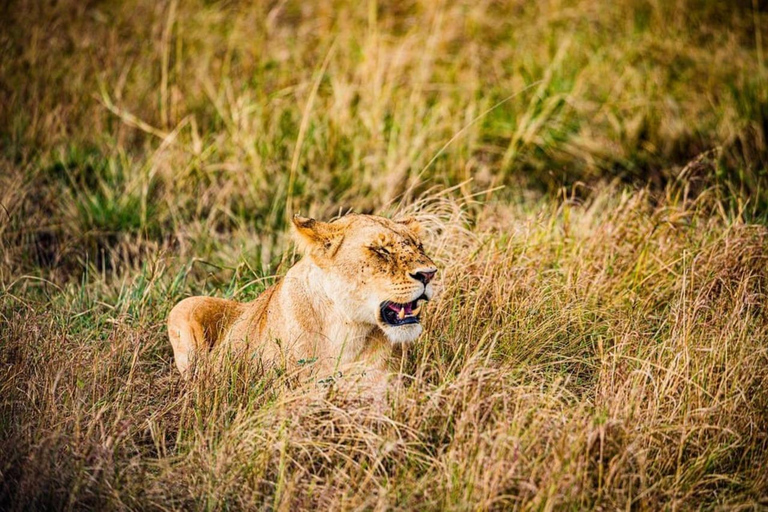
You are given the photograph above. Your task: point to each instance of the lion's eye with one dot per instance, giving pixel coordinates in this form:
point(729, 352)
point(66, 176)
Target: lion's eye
point(380, 251)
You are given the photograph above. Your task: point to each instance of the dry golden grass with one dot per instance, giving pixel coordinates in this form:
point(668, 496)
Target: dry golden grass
point(601, 337)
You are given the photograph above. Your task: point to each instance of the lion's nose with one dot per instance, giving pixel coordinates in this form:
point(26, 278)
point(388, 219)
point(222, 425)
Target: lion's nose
point(424, 276)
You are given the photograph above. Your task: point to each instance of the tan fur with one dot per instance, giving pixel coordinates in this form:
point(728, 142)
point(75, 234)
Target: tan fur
point(326, 308)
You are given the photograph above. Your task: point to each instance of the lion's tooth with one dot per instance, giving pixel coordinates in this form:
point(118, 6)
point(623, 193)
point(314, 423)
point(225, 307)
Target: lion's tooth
point(401, 314)
point(415, 311)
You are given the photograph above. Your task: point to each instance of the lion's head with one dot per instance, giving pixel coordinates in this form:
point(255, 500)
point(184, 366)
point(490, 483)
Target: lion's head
point(374, 270)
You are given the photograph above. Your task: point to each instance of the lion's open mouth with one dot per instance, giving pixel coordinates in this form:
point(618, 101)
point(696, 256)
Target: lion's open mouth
point(394, 313)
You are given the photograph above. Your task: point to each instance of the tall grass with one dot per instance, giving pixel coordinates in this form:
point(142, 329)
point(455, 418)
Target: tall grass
point(600, 338)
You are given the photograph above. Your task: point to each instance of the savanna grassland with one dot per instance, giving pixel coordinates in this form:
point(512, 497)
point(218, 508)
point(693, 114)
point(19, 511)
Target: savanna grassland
point(592, 178)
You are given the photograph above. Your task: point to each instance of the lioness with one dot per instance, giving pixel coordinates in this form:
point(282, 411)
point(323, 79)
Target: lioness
point(357, 291)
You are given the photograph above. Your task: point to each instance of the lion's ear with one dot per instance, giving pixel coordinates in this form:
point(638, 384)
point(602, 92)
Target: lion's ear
point(411, 223)
point(317, 238)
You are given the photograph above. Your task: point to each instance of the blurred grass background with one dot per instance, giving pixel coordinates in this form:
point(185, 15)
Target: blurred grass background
point(596, 170)
point(135, 118)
